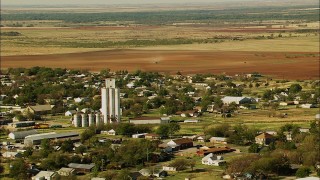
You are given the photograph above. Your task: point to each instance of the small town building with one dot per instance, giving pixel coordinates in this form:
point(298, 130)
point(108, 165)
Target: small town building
point(152, 136)
point(169, 168)
point(201, 138)
point(22, 124)
point(46, 175)
point(213, 160)
point(189, 113)
point(66, 171)
point(39, 109)
point(214, 150)
point(218, 140)
point(166, 148)
point(112, 132)
point(142, 135)
point(264, 139)
point(149, 120)
point(81, 168)
point(37, 138)
point(182, 143)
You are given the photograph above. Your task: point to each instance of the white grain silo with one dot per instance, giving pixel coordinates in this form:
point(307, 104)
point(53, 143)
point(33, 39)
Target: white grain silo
point(110, 102)
point(84, 118)
point(98, 119)
point(77, 120)
point(91, 118)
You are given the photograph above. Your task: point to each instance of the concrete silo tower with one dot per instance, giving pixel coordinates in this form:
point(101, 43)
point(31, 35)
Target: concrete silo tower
point(110, 102)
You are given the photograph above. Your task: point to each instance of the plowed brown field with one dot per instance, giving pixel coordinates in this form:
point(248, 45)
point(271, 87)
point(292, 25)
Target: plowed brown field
point(289, 65)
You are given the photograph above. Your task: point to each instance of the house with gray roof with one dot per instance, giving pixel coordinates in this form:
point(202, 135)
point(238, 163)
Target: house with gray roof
point(81, 168)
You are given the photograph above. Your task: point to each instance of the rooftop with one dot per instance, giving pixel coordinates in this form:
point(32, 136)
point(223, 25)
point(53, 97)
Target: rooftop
point(39, 108)
point(51, 135)
point(182, 141)
point(146, 118)
point(81, 166)
point(264, 136)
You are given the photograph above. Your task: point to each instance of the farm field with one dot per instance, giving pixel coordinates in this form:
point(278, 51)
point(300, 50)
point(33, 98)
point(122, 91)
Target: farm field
point(290, 65)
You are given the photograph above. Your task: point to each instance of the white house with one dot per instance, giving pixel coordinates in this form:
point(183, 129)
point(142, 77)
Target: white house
point(112, 132)
point(70, 113)
point(213, 160)
point(201, 139)
point(45, 175)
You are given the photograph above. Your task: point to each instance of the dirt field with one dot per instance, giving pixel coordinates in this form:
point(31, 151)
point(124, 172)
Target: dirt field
point(289, 65)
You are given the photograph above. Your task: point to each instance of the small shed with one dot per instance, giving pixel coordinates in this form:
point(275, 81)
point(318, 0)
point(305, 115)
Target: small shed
point(66, 171)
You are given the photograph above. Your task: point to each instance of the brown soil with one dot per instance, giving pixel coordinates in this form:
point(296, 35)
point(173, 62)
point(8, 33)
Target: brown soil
point(289, 65)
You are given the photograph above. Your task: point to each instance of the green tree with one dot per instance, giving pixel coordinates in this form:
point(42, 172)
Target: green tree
point(18, 169)
point(163, 130)
point(81, 149)
point(28, 152)
point(123, 175)
point(173, 128)
point(254, 148)
point(46, 148)
point(303, 172)
point(295, 88)
point(67, 146)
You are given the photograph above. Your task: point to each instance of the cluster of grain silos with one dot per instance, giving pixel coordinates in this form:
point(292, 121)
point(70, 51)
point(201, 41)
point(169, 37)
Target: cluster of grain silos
point(87, 119)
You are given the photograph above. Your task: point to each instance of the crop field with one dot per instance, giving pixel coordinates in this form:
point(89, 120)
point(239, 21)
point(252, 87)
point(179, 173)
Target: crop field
point(290, 65)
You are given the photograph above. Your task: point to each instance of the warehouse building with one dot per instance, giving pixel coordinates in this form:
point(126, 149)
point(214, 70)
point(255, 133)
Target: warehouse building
point(22, 134)
point(37, 138)
point(22, 124)
point(149, 120)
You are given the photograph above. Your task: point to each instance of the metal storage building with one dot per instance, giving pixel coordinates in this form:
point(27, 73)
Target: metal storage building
point(37, 138)
point(22, 134)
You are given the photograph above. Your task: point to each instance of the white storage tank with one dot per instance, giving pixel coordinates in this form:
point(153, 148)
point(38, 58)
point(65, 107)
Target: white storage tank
point(84, 121)
point(77, 120)
point(98, 119)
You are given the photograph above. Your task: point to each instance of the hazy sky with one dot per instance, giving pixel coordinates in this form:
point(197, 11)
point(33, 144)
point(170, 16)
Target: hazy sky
point(81, 2)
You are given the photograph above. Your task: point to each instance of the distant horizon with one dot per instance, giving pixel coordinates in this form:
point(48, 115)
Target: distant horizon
point(77, 3)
